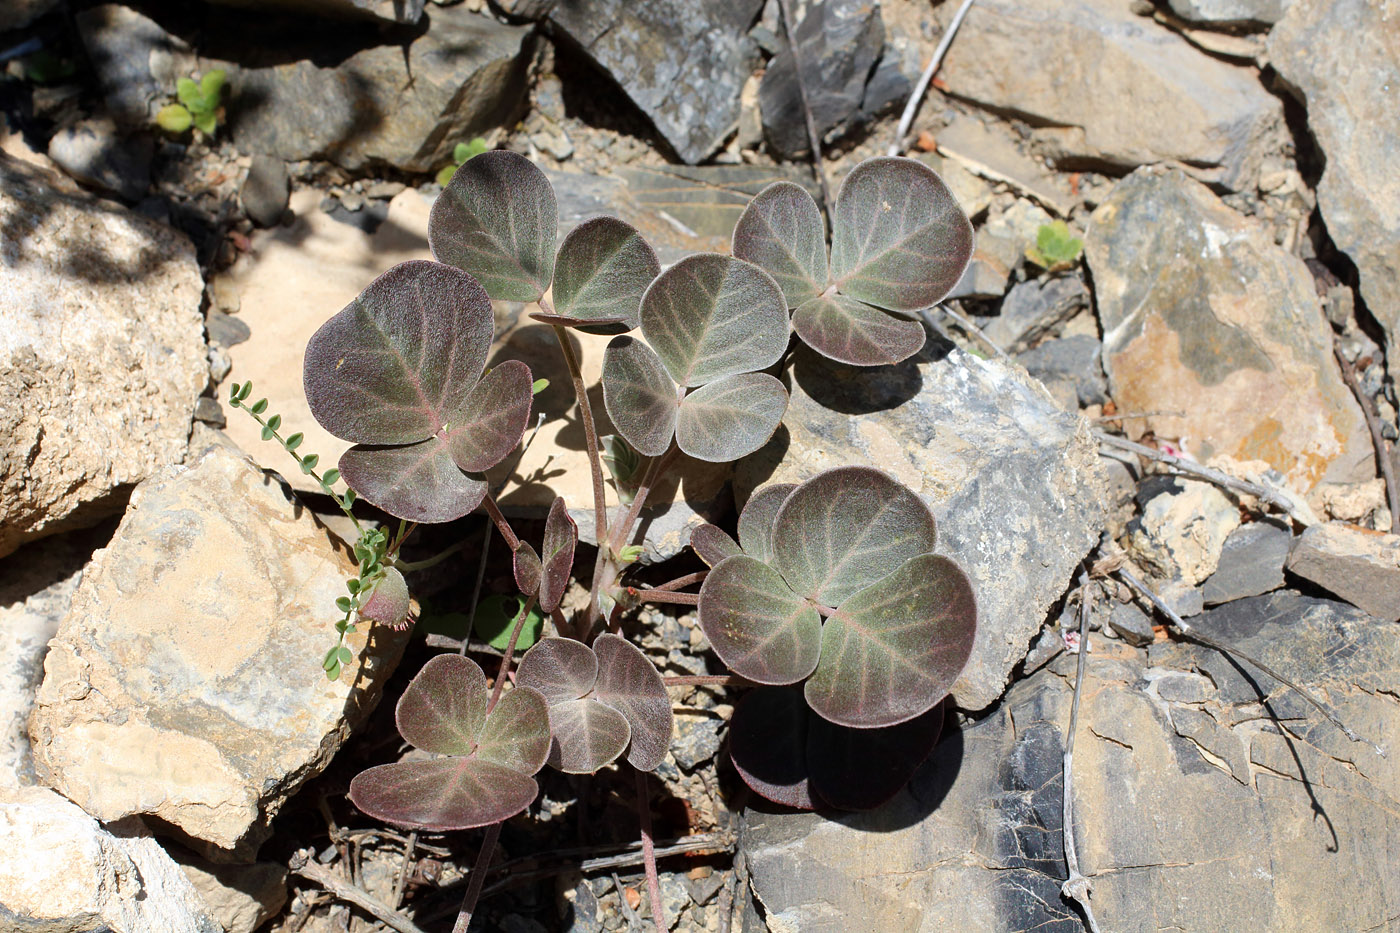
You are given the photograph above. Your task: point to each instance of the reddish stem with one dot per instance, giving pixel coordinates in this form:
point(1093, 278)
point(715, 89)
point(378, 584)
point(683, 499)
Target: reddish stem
point(483, 861)
point(658, 913)
point(706, 680)
point(682, 582)
point(510, 653)
point(658, 595)
point(503, 526)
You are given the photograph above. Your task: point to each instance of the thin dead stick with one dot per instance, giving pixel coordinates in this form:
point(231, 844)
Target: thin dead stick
point(969, 327)
point(1195, 635)
point(1294, 507)
point(633, 921)
point(302, 866)
point(658, 911)
point(483, 861)
point(590, 431)
point(790, 28)
point(1373, 423)
point(1076, 887)
point(402, 880)
point(906, 119)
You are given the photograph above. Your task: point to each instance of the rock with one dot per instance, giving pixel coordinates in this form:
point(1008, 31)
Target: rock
point(1194, 810)
point(1013, 480)
point(696, 741)
point(65, 873)
point(1076, 359)
point(1251, 563)
point(1203, 316)
point(1359, 565)
point(136, 62)
point(394, 11)
point(101, 353)
point(20, 13)
point(1339, 57)
point(683, 64)
point(1034, 308)
point(1000, 246)
point(838, 42)
point(1114, 88)
point(1181, 534)
point(266, 191)
point(239, 897)
point(457, 80)
point(1238, 14)
point(993, 151)
point(186, 681)
point(95, 154)
point(1132, 624)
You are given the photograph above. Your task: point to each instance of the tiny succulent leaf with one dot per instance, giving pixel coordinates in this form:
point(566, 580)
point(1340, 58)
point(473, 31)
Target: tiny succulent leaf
point(560, 539)
point(188, 93)
point(388, 602)
point(781, 231)
point(768, 745)
point(757, 625)
point(630, 684)
point(852, 332)
point(894, 649)
point(417, 482)
point(1055, 247)
point(516, 733)
point(443, 708)
point(844, 529)
point(400, 360)
point(710, 316)
point(497, 219)
point(859, 769)
point(603, 268)
point(586, 735)
point(492, 419)
point(559, 668)
point(442, 794)
point(639, 396)
point(494, 622)
point(899, 239)
point(730, 417)
point(174, 118)
point(712, 544)
point(756, 520)
point(527, 567)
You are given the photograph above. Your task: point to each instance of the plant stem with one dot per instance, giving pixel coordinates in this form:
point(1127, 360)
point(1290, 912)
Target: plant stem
point(658, 912)
point(483, 861)
point(430, 562)
point(706, 680)
point(655, 470)
point(682, 582)
point(1076, 888)
point(503, 526)
point(510, 652)
point(590, 430)
point(402, 879)
point(406, 528)
point(658, 595)
point(906, 119)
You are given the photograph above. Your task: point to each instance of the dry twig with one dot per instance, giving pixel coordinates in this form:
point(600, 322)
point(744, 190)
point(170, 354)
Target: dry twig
point(906, 119)
point(1076, 887)
point(1373, 423)
point(304, 867)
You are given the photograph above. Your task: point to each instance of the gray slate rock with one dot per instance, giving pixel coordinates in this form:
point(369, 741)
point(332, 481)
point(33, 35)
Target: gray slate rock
point(838, 42)
point(696, 741)
point(135, 60)
point(1359, 565)
point(1239, 14)
point(1251, 563)
point(1193, 809)
point(682, 63)
point(393, 11)
point(98, 156)
point(1035, 308)
point(1132, 624)
point(1077, 359)
point(266, 191)
point(1013, 479)
point(1339, 57)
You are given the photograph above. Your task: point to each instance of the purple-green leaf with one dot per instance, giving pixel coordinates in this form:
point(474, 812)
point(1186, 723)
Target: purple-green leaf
point(899, 239)
point(442, 794)
point(630, 683)
point(756, 520)
point(712, 544)
point(640, 398)
point(603, 268)
point(856, 333)
point(560, 539)
point(730, 417)
point(846, 528)
point(516, 733)
point(603, 325)
point(492, 419)
point(710, 316)
point(781, 231)
point(497, 220)
point(859, 769)
point(525, 564)
point(443, 708)
point(894, 649)
point(400, 360)
point(768, 745)
point(559, 668)
point(417, 482)
point(388, 602)
point(586, 735)
point(757, 625)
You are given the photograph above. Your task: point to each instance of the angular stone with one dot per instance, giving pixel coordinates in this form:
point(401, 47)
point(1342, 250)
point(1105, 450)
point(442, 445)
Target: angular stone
point(1253, 14)
point(1034, 308)
point(1013, 480)
point(64, 873)
point(1251, 563)
point(136, 62)
point(186, 681)
point(1340, 58)
point(101, 353)
point(1075, 359)
point(1132, 624)
point(682, 63)
point(1119, 89)
point(394, 11)
point(991, 151)
point(1359, 565)
point(1181, 534)
point(382, 105)
point(97, 155)
point(1218, 333)
point(265, 191)
point(1194, 810)
point(240, 897)
point(838, 42)
point(999, 249)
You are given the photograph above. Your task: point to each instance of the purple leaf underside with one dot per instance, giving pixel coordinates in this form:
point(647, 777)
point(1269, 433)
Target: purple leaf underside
point(756, 520)
point(560, 540)
point(712, 544)
point(443, 708)
point(492, 420)
point(855, 333)
point(442, 794)
point(560, 669)
point(757, 625)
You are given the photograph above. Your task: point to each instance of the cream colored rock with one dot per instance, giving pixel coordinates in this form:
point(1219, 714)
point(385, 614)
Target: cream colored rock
point(186, 681)
point(101, 353)
point(62, 872)
point(1182, 534)
point(240, 897)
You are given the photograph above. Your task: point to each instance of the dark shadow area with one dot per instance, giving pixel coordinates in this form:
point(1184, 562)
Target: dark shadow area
point(856, 390)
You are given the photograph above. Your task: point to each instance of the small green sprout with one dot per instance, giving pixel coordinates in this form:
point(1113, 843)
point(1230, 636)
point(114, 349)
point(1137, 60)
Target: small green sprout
point(1055, 249)
point(460, 154)
point(199, 105)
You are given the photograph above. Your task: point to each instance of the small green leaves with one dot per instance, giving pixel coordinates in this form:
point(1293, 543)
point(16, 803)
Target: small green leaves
point(1055, 247)
point(623, 463)
point(602, 270)
point(461, 153)
point(174, 119)
point(495, 620)
point(496, 220)
point(199, 104)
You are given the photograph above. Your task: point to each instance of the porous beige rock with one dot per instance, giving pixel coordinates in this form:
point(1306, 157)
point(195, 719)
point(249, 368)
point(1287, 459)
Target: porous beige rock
point(1181, 534)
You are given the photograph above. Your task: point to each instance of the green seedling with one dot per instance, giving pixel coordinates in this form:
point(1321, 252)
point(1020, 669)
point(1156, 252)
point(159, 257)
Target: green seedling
point(460, 154)
point(1055, 249)
point(200, 105)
